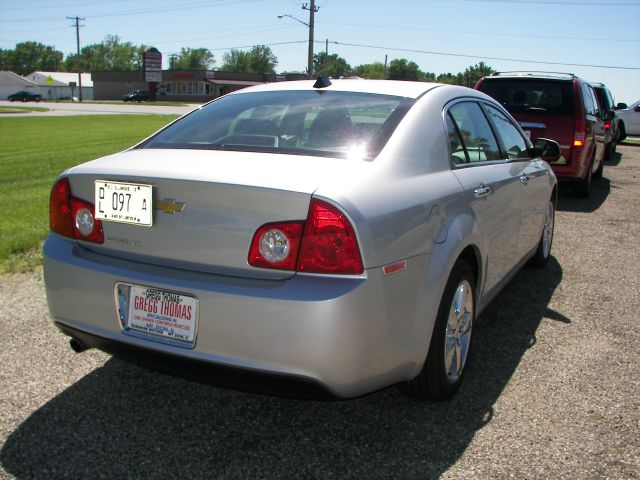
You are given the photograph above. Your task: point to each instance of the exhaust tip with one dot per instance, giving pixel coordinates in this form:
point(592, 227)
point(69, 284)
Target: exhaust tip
point(77, 346)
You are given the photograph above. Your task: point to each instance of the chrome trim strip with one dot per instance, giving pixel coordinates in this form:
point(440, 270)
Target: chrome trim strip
point(532, 125)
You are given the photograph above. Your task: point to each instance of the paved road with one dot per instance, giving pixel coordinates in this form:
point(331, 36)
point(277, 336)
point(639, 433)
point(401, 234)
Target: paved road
point(553, 387)
point(62, 109)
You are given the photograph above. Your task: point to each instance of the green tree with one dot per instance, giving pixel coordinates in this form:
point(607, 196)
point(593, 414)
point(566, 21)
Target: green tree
point(194, 59)
point(449, 78)
point(260, 59)
point(474, 73)
point(236, 61)
point(331, 65)
point(402, 69)
point(370, 70)
point(29, 57)
point(110, 54)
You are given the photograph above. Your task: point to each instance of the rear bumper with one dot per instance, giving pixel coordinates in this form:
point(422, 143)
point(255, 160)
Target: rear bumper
point(575, 168)
point(206, 372)
point(349, 336)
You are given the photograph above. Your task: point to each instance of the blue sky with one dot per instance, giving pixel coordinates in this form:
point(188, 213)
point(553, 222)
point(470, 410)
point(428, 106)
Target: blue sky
point(439, 35)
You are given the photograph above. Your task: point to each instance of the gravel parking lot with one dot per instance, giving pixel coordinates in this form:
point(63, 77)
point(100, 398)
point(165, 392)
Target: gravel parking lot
point(552, 389)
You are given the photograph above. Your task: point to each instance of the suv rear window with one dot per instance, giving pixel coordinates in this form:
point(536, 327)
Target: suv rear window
point(338, 124)
point(531, 95)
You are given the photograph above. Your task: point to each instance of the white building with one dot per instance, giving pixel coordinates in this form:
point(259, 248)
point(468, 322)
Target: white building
point(12, 83)
point(55, 85)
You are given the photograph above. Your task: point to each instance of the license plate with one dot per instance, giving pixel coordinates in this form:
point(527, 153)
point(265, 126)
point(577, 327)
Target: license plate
point(124, 202)
point(162, 313)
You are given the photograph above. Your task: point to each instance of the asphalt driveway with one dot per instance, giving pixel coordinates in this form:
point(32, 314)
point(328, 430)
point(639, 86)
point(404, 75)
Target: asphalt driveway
point(553, 387)
point(97, 108)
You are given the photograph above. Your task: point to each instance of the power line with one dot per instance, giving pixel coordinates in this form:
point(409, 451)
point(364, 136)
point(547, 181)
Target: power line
point(484, 57)
point(141, 11)
point(594, 3)
point(265, 44)
point(497, 34)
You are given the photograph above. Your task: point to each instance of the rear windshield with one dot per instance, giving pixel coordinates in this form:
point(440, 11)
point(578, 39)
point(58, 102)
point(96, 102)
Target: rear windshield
point(342, 124)
point(531, 95)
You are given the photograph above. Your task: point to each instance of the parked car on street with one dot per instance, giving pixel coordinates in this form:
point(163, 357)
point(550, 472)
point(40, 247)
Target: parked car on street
point(559, 106)
point(611, 124)
point(629, 119)
point(340, 236)
point(136, 96)
point(24, 96)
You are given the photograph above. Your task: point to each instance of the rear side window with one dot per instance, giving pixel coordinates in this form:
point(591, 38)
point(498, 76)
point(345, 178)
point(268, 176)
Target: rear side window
point(531, 95)
point(589, 100)
point(604, 98)
point(471, 139)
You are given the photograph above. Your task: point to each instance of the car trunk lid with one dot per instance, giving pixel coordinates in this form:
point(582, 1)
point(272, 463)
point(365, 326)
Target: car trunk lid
point(207, 204)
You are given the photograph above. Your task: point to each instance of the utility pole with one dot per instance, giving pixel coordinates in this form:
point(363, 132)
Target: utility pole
point(77, 25)
point(311, 6)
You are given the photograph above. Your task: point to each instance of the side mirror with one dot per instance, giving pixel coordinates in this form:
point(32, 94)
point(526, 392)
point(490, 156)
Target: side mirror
point(637, 109)
point(549, 150)
point(621, 106)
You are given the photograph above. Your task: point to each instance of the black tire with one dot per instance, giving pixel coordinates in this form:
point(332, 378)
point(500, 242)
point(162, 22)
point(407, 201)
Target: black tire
point(436, 381)
point(622, 132)
point(582, 188)
point(543, 252)
point(598, 173)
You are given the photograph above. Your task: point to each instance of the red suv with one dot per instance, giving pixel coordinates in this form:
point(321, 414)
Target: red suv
point(561, 107)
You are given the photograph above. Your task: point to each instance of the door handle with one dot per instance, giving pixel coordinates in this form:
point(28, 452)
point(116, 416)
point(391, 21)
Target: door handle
point(525, 179)
point(482, 191)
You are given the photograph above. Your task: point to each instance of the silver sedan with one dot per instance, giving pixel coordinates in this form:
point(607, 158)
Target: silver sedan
point(337, 236)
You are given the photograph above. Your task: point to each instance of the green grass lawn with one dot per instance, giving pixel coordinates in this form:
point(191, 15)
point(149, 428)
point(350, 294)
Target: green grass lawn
point(33, 151)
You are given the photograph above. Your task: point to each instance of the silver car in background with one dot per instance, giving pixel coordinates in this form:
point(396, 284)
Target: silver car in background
point(342, 236)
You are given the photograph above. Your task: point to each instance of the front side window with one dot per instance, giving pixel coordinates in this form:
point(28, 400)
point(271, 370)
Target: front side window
point(514, 144)
point(475, 134)
point(321, 123)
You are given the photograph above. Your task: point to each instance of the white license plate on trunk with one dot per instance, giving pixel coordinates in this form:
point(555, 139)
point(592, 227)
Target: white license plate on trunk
point(162, 313)
point(124, 202)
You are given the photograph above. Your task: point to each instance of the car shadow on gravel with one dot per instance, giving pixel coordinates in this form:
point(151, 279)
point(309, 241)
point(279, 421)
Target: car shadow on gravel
point(123, 421)
point(568, 202)
point(614, 160)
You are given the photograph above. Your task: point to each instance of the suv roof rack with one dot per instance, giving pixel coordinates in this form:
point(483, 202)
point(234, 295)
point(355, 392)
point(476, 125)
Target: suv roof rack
point(534, 73)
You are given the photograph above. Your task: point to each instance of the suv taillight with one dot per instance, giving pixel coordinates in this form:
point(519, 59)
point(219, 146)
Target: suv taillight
point(72, 217)
point(324, 243)
point(579, 134)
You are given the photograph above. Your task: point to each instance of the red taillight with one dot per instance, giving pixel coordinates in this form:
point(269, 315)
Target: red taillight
point(275, 245)
point(325, 243)
point(607, 124)
point(60, 208)
point(72, 217)
point(579, 134)
point(329, 243)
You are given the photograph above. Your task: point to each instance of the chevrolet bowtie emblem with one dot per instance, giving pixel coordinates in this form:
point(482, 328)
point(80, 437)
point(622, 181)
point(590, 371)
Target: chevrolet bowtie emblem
point(169, 205)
